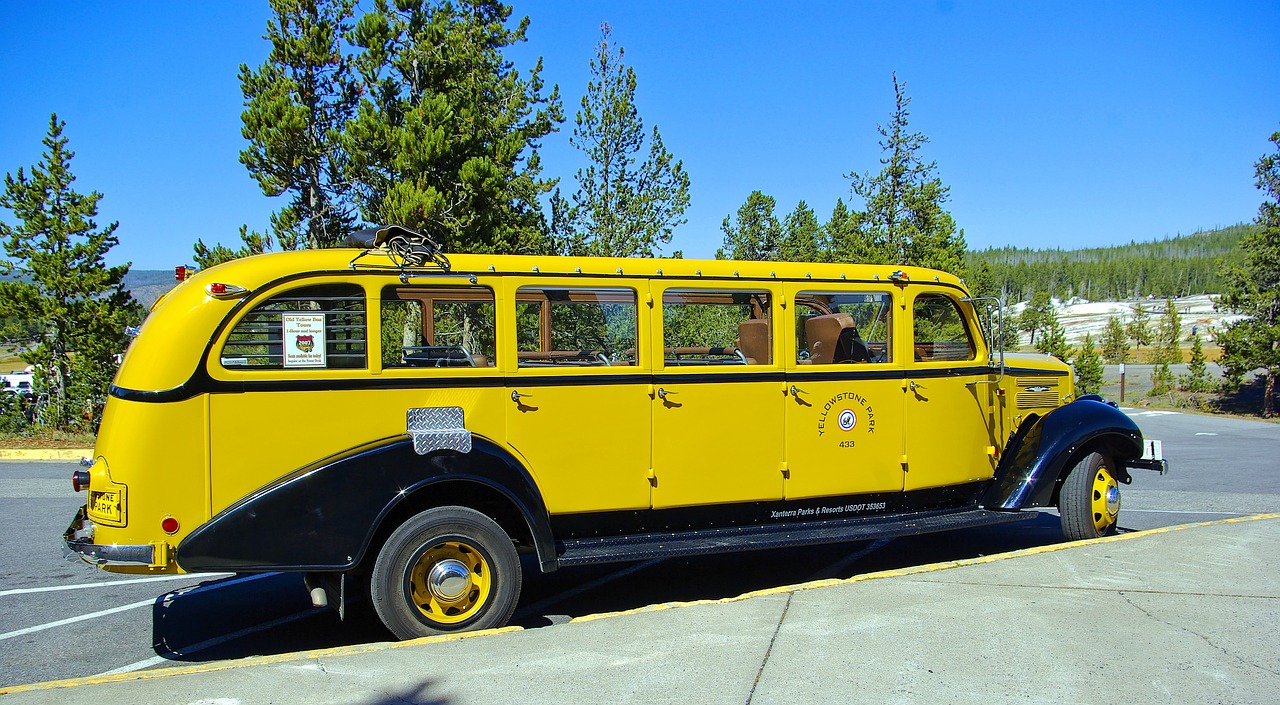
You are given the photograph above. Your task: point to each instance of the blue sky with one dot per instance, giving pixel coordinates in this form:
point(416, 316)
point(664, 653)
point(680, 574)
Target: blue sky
point(1056, 124)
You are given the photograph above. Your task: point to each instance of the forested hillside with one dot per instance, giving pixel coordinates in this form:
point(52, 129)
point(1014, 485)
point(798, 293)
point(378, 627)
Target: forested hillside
point(1179, 266)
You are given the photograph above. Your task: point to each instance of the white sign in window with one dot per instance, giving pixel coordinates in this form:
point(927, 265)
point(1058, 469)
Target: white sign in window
point(303, 339)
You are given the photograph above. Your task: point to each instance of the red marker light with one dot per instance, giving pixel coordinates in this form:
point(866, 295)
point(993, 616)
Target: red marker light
point(180, 273)
point(217, 288)
point(80, 480)
point(169, 525)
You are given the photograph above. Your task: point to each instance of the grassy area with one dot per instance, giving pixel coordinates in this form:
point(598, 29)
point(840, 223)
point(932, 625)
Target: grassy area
point(46, 439)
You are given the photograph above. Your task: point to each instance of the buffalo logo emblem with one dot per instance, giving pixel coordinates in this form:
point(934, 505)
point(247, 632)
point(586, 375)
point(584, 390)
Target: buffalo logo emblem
point(306, 343)
point(1039, 389)
point(847, 420)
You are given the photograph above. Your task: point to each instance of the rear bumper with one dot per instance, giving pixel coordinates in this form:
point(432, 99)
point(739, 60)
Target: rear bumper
point(79, 540)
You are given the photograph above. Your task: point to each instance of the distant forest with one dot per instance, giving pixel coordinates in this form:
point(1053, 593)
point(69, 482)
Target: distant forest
point(1178, 266)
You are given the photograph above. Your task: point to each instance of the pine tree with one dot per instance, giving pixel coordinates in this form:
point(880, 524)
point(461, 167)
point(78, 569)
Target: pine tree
point(447, 130)
point(1253, 289)
point(61, 283)
point(297, 104)
point(1088, 366)
point(1139, 328)
point(1035, 317)
point(802, 236)
point(1169, 337)
point(904, 221)
point(1115, 341)
point(620, 209)
point(1162, 379)
point(1054, 340)
point(756, 234)
point(1197, 377)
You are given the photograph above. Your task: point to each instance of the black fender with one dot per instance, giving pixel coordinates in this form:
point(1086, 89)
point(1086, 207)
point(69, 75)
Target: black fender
point(323, 517)
point(1037, 456)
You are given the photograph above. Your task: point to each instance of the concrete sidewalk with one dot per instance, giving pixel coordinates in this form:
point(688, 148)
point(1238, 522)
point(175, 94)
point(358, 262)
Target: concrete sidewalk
point(1189, 614)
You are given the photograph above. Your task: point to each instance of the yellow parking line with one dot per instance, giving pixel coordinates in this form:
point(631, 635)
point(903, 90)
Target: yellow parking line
point(45, 453)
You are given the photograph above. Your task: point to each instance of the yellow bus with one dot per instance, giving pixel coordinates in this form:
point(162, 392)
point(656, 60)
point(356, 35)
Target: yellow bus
point(392, 419)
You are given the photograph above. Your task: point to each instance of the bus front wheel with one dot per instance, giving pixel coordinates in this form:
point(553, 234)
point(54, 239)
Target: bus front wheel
point(448, 569)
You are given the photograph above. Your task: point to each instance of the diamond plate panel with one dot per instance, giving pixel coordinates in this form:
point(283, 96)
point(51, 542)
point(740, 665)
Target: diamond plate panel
point(438, 427)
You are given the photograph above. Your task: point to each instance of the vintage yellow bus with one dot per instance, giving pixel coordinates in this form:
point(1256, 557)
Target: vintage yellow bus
point(399, 421)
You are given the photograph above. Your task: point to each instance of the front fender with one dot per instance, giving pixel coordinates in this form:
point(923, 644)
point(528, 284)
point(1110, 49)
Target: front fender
point(1038, 455)
point(322, 517)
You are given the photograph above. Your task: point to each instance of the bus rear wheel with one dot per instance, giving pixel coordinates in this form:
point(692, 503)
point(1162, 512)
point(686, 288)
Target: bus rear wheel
point(1089, 501)
point(448, 569)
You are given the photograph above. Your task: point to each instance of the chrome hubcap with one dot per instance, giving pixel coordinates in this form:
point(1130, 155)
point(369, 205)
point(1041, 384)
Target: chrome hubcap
point(1113, 500)
point(449, 580)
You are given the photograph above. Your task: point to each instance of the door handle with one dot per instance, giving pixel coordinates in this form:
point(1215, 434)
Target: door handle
point(796, 391)
point(517, 396)
point(663, 394)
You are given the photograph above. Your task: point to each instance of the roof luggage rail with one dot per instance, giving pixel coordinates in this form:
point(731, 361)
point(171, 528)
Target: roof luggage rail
point(407, 248)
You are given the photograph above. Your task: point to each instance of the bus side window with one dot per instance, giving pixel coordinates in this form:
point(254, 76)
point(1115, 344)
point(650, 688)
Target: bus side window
point(438, 327)
point(558, 327)
point(314, 327)
point(702, 327)
point(843, 328)
point(940, 334)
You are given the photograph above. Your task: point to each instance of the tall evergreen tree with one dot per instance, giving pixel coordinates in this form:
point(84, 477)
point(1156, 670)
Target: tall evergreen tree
point(1054, 340)
point(61, 283)
point(802, 236)
point(620, 209)
point(1037, 314)
point(447, 130)
point(1115, 341)
point(904, 221)
point(1088, 366)
point(1197, 377)
point(1169, 340)
point(1253, 289)
point(297, 104)
point(1140, 329)
point(756, 233)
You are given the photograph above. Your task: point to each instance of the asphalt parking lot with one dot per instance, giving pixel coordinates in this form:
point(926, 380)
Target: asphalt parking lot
point(63, 619)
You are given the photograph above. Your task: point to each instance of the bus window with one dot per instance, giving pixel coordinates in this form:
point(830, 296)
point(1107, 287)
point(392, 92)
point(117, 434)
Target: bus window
point(702, 327)
point(939, 330)
point(576, 327)
point(438, 327)
point(839, 328)
point(313, 327)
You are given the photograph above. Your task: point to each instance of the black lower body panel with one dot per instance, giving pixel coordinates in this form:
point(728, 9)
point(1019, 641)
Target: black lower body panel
point(747, 538)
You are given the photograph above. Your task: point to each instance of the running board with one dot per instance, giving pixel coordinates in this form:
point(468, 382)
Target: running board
point(638, 547)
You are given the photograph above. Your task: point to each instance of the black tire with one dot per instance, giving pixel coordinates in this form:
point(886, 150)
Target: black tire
point(1085, 502)
point(448, 569)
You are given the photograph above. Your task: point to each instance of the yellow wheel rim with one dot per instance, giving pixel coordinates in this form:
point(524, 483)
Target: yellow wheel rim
point(1105, 501)
point(450, 582)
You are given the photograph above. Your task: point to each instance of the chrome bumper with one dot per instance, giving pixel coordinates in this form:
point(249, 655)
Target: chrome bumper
point(79, 540)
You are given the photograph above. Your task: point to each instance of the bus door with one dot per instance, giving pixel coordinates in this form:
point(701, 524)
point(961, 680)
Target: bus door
point(949, 412)
point(717, 396)
point(578, 396)
point(844, 405)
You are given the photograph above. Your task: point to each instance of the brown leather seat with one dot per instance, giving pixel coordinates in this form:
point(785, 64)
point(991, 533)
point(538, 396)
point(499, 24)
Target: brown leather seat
point(834, 338)
point(753, 341)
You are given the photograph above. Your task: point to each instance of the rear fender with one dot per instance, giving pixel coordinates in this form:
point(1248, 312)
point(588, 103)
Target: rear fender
point(1043, 447)
point(324, 516)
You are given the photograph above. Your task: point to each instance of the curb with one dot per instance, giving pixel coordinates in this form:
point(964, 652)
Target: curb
point(386, 646)
point(45, 453)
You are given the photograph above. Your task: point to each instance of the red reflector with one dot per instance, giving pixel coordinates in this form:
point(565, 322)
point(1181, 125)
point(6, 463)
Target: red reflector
point(217, 288)
point(180, 273)
point(170, 525)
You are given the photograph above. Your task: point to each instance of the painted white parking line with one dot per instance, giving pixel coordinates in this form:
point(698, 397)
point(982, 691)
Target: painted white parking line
point(163, 599)
point(113, 583)
point(1206, 434)
point(169, 656)
point(73, 620)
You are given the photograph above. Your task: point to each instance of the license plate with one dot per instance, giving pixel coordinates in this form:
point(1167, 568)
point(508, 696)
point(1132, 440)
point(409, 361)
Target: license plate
point(105, 504)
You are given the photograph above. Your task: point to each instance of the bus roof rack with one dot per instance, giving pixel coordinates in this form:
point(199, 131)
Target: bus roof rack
point(407, 248)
